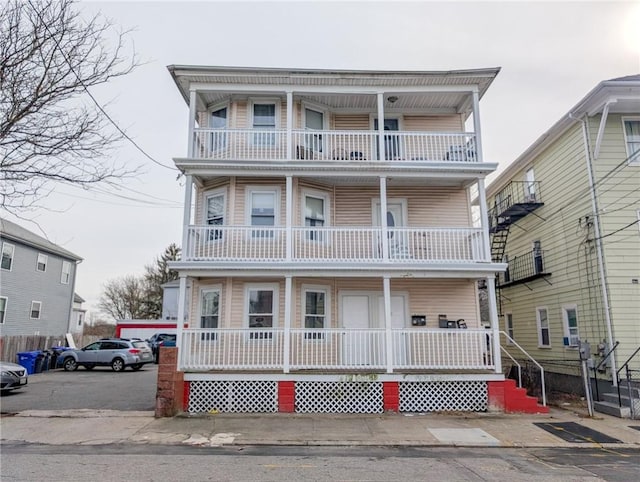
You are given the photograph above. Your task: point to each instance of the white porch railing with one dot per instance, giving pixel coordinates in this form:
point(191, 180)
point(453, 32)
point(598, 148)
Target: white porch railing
point(328, 145)
point(336, 244)
point(336, 349)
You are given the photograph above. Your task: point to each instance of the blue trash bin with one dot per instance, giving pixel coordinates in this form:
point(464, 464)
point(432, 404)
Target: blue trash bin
point(28, 360)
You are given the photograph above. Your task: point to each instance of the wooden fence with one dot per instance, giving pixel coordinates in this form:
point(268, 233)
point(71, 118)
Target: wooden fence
point(11, 345)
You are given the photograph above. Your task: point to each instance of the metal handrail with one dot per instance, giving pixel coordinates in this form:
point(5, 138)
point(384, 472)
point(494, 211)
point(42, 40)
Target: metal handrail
point(544, 391)
point(626, 366)
point(503, 349)
point(595, 370)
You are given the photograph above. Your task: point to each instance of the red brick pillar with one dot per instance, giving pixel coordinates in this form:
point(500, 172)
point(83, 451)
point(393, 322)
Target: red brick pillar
point(496, 396)
point(170, 393)
point(391, 396)
point(286, 397)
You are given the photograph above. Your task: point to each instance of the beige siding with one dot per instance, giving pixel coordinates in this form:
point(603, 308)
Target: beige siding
point(433, 123)
point(347, 122)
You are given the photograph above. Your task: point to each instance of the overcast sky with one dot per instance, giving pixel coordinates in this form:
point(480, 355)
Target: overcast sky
point(551, 55)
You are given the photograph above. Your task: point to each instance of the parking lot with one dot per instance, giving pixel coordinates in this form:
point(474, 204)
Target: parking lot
point(100, 388)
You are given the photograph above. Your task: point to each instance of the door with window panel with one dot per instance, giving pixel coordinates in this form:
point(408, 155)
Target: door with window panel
point(215, 215)
point(209, 312)
point(264, 119)
point(261, 313)
point(263, 213)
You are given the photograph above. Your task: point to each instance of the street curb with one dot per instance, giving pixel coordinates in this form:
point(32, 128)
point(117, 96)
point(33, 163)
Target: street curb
point(82, 413)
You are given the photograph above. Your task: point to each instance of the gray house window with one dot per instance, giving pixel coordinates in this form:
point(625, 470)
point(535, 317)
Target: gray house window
point(41, 265)
point(7, 255)
point(3, 308)
point(36, 307)
point(66, 273)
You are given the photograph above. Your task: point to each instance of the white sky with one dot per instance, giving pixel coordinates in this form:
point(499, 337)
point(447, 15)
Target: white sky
point(551, 55)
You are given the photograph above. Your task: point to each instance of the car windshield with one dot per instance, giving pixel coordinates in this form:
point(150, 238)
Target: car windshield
point(140, 344)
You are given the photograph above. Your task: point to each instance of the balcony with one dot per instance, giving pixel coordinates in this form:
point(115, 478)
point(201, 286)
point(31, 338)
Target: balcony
point(524, 268)
point(513, 203)
point(327, 145)
point(262, 244)
point(335, 349)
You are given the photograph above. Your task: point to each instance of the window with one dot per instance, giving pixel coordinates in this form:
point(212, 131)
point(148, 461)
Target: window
point(41, 265)
point(66, 273)
point(632, 140)
point(7, 255)
point(36, 307)
point(570, 318)
point(214, 214)
point(315, 214)
point(313, 120)
point(3, 308)
point(543, 328)
point(508, 321)
point(529, 186)
point(80, 318)
point(262, 211)
point(315, 312)
point(209, 311)
point(538, 263)
point(261, 310)
point(264, 119)
point(218, 120)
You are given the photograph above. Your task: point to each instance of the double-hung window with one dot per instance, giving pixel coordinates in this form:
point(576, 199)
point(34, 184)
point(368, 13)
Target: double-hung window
point(508, 320)
point(542, 319)
point(8, 251)
point(41, 264)
point(262, 212)
point(570, 318)
point(36, 308)
point(315, 312)
point(264, 120)
point(65, 276)
point(218, 122)
point(3, 308)
point(632, 140)
point(315, 214)
point(215, 207)
point(261, 310)
point(209, 311)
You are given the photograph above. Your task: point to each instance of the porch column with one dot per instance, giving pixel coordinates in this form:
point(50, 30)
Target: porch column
point(186, 216)
point(192, 122)
point(381, 155)
point(495, 328)
point(289, 217)
point(289, 125)
point(476, 125)
point(288, 283)
point(484, 221)
point(182, 295)
point(388, 334)
point(383, 218)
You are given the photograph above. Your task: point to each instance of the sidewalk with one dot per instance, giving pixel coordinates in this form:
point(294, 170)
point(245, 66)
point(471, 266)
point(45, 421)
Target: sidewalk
point(91, 427)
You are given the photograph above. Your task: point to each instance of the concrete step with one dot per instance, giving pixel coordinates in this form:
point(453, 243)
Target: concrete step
point(613, 398)
point(612, 409)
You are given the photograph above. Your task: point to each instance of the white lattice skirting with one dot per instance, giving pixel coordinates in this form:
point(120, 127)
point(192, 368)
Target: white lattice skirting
point(337, 397)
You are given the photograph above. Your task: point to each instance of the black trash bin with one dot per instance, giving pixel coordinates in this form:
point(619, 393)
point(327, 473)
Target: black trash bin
point(39, 362)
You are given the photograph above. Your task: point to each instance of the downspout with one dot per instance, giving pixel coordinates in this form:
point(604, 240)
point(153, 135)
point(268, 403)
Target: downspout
point(596, 224)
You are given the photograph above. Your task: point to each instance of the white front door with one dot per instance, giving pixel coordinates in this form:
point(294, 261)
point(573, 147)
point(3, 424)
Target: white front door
point(398, 245)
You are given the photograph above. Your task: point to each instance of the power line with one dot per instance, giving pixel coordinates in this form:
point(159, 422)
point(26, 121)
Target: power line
point(618, 230)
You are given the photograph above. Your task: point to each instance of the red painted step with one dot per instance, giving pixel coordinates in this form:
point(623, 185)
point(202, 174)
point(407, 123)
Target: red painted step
point(505, 395)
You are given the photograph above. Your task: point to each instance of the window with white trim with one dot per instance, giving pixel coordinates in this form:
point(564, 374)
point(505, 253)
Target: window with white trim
point(262, 210)
point(313, 121)
point(65, 276)
point(3, 308)
point(36, 308)
point(214, 213)
point(508, 321)
point(530, 186)
point(570, 319)
point(542, 321)
point(315, 213)
point(218, 121)
point(8, 250)
point(632, 139)
point(209, 311)
point(316, 311)
point(41, 264)
point(80, 318)
point(264, 119)
point(261, 308)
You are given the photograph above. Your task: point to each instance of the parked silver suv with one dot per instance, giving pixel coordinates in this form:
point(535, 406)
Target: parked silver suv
point(118, 353)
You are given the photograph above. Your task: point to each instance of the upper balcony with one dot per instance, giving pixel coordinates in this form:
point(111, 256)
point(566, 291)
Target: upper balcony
point(513, 203)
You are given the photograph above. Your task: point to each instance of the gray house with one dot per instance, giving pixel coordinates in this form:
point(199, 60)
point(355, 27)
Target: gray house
point(37, 281)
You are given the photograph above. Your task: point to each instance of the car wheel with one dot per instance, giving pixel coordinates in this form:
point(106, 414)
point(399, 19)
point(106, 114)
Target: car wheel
point(89, 367)
point(117, 365)
point(136, 367)
point(69, 365)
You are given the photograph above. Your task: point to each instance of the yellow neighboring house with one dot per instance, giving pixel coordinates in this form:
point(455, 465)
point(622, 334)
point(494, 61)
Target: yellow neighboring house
point(564, 216)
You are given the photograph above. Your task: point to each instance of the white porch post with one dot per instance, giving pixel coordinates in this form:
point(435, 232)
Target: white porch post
point(288, 284)
point(186, 216)
point(495, 328)
point(383, 218)
point(289, 217)
point(289, 125)
point(476, 125)
point(388, 334)
point(484, 221)
point(182, 294)
point(192, 122)
point(381, 155)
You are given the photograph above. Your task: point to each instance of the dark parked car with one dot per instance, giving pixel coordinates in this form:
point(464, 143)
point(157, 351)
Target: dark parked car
point(118, 353)
point(13, 376)
point(158, 339)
